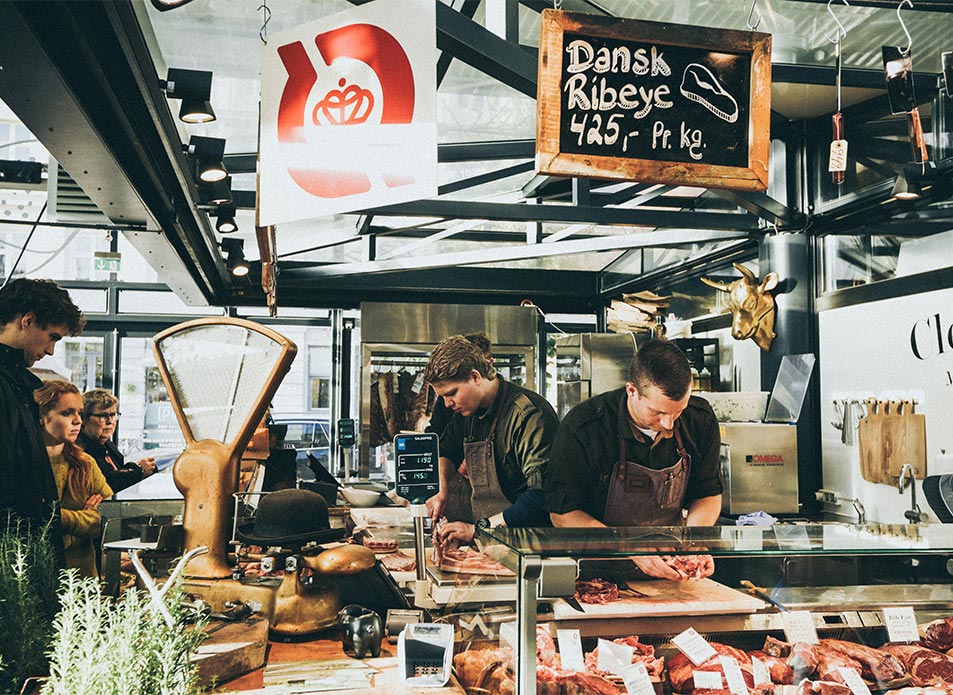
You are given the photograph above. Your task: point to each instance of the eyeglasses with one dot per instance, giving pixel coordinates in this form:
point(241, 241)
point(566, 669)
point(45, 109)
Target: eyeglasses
point(105, 416)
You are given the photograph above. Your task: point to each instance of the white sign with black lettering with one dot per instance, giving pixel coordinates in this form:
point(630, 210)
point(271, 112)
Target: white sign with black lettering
point(613, 657)
point(799, 627)
point(636, 679)
point(853, 681)
point(570, 650)
point(694, 646)
point(707, 680)
point(901, 623)
point(736, 681)
point(762, 674)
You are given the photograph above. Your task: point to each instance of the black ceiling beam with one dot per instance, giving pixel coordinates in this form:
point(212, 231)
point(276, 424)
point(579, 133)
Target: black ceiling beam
point(765, 207)
point(919, 5)
point(924, 83)
point(468, 9)
point(517, 212)
point(483, 50)
point(488, 177)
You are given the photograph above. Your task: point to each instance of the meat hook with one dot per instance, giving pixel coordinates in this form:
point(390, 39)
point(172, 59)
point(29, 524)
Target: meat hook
point(841, 32)
point(904, 25)
point(752, 25)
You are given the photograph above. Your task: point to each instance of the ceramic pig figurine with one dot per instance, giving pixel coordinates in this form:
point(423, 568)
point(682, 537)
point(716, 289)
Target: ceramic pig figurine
point(361, 630)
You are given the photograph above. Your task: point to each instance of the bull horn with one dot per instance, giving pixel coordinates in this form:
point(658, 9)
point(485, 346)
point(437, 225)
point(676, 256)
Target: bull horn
point(723, 286)
point(747, 273)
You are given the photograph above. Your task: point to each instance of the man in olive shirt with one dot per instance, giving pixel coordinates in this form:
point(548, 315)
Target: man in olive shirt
point(499, 438)
point(640, 455)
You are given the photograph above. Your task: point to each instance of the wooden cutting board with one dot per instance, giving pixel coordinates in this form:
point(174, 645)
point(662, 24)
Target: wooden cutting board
point(663, 597)
point(890, 435)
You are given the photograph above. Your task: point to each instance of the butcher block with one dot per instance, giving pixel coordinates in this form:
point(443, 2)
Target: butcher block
point(890, 435)
point(662, 597)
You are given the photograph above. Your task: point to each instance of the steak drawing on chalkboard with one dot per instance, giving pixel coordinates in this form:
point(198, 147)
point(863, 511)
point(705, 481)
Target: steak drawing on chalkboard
point(699, 84)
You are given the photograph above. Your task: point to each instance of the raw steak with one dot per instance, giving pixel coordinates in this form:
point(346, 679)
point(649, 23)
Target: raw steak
point(780, 672)
point(399, 562)
point(681, 669)
point(596, 591)
point(380, 545)
point(644, 653)
point(470, 561)
point(880, 667)
point(938, 634)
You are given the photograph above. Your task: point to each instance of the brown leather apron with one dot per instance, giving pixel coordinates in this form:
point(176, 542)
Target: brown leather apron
point(458, 498)
point(487, 498)
point(640, 496)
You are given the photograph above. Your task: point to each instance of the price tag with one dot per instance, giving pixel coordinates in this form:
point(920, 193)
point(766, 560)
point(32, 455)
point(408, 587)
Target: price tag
point(707, 680)
point(736, 681)
point(636, 679)
point(799, 627)
point(838, 158)
point(614, 658)
point(901, 623)
point(694, 646)
point(853, 681)
point(762, 674)
point(570, 650)
point(418, 382)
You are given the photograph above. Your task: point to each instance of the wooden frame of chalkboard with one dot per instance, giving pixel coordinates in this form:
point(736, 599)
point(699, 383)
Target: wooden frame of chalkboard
point(653, 102)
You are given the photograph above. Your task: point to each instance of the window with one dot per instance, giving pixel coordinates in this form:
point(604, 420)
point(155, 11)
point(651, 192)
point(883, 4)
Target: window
point(319, 377)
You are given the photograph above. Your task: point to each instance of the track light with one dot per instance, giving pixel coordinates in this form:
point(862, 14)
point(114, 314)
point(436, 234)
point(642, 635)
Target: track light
point(235, 257)
point(906, 189)
point(164, 5)
point(208, 153)
point(225, 223)
point(216, 192)
point(194, 88)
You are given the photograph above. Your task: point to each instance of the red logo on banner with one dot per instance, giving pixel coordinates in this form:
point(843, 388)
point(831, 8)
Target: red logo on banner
point(347, 104)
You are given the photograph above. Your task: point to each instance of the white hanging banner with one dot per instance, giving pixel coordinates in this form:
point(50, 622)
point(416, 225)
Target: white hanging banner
point(348, 112)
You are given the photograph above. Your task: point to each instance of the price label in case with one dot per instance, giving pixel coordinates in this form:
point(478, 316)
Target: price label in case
point(736, 681)
point(613, 657)
point(901, 623)
point(853, 681)
point(694, 646)
point(762, 674)
point(799, 627)
point(636, 679)
point(707, 680)
point(570, 650)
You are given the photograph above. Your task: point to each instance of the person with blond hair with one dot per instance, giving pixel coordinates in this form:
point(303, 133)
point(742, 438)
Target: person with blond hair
point(100, 416)
point(79, 482)
point(498, 438)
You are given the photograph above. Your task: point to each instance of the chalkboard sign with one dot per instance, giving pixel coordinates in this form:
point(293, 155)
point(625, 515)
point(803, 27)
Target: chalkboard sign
point(653, 102)
point(418, 477)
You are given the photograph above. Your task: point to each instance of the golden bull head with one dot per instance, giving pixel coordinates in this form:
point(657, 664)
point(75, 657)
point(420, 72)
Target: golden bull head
point(751, 304)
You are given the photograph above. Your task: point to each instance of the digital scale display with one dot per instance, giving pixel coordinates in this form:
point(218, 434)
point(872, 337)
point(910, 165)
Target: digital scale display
point(417, 457)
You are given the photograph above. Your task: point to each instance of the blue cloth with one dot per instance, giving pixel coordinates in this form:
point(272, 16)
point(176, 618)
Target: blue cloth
point(528, 510)
point(756, 519)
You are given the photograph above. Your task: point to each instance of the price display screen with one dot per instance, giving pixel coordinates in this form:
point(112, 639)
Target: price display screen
point(418, 477)
point(346, 432)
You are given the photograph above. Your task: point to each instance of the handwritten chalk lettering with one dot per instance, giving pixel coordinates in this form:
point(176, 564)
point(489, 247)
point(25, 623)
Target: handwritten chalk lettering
point(583, 56)
point(650, 101)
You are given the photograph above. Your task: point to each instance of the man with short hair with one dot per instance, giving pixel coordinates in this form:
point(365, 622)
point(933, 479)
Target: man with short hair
point(640, 455)
point(499, 438)
point(34, 316)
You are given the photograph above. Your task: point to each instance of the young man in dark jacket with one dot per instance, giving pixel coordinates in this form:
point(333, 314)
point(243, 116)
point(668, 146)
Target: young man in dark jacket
point(34, 315)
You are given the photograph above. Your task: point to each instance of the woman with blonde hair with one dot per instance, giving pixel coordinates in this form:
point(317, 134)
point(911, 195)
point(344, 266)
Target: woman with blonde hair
point(79, 482)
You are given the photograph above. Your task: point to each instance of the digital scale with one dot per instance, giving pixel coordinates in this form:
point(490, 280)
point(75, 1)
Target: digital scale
point(425, 653)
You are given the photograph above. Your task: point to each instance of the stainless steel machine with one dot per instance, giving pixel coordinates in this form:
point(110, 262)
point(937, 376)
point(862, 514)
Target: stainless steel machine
point(588, 364)
point(396, 341)
point(759, 467)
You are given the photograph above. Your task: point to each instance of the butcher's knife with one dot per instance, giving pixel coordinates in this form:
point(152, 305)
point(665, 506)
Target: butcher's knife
point(763, 594)
point(574, 603)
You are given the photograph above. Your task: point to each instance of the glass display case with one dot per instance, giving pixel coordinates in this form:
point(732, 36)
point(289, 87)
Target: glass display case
point(837, 577)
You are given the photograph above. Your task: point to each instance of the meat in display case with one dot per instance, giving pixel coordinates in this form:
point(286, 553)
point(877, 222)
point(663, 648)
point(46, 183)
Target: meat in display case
point(873, 611)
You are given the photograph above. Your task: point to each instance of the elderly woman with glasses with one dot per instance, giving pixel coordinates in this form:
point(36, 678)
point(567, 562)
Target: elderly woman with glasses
point(100, 417)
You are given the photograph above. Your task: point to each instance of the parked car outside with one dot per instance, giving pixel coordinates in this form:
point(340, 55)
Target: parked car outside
point(308, 436)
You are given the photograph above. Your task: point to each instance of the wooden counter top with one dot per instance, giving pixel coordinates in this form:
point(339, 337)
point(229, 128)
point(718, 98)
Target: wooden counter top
point(386, 678)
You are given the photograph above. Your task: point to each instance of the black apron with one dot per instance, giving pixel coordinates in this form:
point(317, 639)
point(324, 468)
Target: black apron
point(486, 498)
point(640, 496)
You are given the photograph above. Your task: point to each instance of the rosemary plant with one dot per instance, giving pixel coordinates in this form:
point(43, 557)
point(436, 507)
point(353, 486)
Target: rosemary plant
point(125, 647)
point(28, 602)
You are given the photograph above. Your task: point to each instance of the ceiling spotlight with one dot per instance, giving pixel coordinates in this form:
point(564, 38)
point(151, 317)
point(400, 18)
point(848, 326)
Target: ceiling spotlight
point(235, 257)
point(905, 189)
point(216, 192)
point(164, 5)
point(194, 88)
point(225, 223)
point(208, 153)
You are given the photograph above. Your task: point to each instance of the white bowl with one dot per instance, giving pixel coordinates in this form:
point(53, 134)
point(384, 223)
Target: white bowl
point(360, 498)
point(733, 406)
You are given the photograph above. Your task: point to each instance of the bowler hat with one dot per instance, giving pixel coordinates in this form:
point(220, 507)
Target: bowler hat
point(290, 517)
point(938, 490)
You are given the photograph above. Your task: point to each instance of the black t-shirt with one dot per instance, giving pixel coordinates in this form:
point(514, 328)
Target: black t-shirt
point(587, 447)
